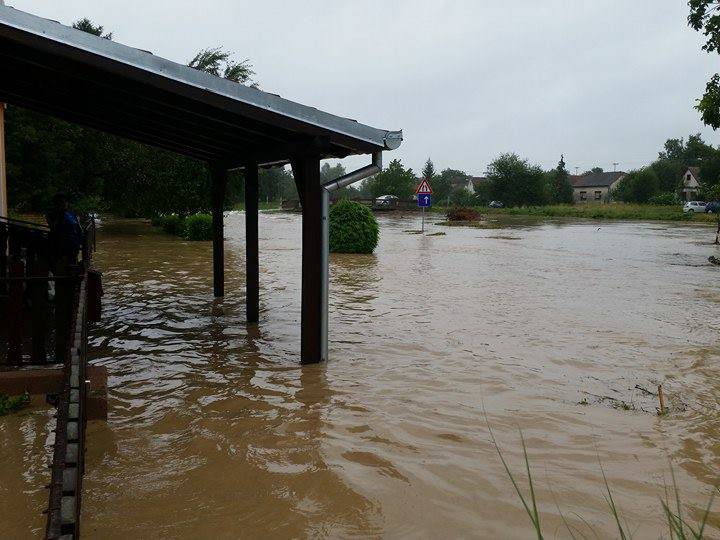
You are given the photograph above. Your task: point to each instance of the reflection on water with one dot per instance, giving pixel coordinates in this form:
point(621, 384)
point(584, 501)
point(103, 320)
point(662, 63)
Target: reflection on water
point(215, 430)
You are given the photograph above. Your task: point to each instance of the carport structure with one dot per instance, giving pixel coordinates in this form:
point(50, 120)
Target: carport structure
point(95, 82)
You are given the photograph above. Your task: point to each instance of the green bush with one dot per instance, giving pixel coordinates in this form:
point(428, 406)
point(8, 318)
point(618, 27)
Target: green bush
point(664, 199)
point(173, 224)
point(353, 228)
point(198, 227)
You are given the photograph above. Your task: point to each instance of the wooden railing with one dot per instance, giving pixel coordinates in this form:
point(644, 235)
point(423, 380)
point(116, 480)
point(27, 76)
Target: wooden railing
point(37, 293)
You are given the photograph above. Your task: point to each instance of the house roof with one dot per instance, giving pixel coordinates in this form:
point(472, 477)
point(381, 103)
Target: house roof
point(598, 179)
point(103, 84)
point(695, 171)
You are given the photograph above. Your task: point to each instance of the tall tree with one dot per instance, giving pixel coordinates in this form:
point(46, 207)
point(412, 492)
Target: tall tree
point(705, 17)
point(394, 180)
point(515, 182)
point(428, 172)
point(560, 189)
point(219, 62)
point(86, 25)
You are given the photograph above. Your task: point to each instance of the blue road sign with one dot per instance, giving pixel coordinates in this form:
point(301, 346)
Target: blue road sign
point(424, 200)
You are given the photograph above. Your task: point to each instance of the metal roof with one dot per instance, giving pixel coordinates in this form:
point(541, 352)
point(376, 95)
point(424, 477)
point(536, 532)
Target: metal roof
point(103, 84)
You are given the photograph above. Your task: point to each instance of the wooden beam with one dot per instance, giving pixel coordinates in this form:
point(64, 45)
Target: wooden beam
point(219, 183)
point(252, 257)
point(307, 177)
point(3, 165)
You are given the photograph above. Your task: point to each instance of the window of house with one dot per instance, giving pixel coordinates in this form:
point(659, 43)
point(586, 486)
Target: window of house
point(598, 195)
point(687, 177)
point(583, 195)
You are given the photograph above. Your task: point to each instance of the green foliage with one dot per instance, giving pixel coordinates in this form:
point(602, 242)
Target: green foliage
point(86, 25)
point(710, 193)
point(637, 186)
point(664, 199)
point(353, 228)
point(394, 180)
point(704, 17)
point(428, 172)
point(462, 197)
point(218, 62)
point(559, 188)
point(13, 404)
point(171, 224)
point(515, 182)
point(198, 227)
point(103, 172)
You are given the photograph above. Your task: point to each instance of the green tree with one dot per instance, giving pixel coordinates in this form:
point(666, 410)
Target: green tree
point(637, 186)
point(95, 169)
point(394, 180)
point(428, 172)
point(218, 62)
point(515, 182)
point(560, 190)
point(705, 17)
point(86, 25)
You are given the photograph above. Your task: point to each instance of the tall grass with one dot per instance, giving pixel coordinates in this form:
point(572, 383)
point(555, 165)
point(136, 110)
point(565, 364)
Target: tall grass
point(679, 528)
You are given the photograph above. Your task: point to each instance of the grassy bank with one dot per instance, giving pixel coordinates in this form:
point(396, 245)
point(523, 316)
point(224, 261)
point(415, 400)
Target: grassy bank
point(601, 211)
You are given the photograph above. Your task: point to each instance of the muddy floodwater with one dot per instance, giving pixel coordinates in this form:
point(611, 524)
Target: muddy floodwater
point(560, 329)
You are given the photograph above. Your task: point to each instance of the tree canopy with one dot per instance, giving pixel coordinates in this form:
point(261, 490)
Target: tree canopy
point(705, 17)
point(516, 182)
point(99, 171)
point(560, 190)
point(394, 180)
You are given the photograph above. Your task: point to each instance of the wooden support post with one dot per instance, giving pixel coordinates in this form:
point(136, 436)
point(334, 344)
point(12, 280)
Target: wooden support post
point(307, 177)
point(3, 165)
point(252, 258)
point(219, 183)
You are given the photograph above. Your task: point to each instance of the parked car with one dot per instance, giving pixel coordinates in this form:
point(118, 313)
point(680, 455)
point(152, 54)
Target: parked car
point(496, 204)
point(694, 206)
point(386, 200)
point(713, 207)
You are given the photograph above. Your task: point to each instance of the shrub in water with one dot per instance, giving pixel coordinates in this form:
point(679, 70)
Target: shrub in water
point(463, 214)
point(173, 224)
point(353, 228)
point(198, 227)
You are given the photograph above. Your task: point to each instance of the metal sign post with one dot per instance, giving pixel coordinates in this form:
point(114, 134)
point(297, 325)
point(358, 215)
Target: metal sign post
point(424, 199)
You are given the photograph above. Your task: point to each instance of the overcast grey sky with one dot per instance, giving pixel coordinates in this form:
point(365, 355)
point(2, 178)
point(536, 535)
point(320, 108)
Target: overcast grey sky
point(601, 81)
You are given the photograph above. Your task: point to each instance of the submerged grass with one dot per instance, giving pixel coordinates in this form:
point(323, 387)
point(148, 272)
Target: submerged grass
point(679, 528)
point(13, 404)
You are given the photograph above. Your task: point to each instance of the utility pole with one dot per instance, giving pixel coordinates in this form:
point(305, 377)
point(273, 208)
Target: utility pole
point(576, 170)
point(615, 164)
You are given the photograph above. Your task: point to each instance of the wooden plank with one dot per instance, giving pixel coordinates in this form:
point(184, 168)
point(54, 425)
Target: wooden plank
point(307, 178)
point(219, 184)
point(252, 256)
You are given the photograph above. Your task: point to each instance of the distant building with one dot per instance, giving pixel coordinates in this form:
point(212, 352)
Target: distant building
point(594, 187)
point(478, 181)
point(460, 183)
point(690, 184)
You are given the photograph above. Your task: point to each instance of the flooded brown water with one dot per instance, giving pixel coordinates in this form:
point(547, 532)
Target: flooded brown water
point(557, 329)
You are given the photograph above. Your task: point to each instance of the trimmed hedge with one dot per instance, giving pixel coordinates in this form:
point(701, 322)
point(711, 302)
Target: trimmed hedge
point(353, 228)
point(198, 227)
point(194, 227)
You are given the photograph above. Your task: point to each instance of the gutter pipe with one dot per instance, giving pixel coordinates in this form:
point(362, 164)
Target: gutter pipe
point(333, 185)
